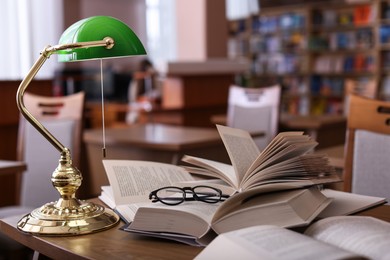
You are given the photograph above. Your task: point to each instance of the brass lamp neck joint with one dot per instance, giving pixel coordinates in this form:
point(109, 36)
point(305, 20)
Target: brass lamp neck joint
point(109, 42)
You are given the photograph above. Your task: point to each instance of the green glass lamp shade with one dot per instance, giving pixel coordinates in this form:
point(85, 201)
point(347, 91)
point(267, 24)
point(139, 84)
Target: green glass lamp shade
point(96, 28)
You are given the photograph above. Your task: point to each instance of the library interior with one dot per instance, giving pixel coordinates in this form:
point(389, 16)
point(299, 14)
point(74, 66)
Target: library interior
point(123, 121)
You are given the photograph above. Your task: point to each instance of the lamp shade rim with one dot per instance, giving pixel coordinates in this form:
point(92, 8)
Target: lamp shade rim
point(97, 28)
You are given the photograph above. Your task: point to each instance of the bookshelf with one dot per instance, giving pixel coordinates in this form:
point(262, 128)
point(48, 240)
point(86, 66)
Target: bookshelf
point(384, 48)
point(318, 53)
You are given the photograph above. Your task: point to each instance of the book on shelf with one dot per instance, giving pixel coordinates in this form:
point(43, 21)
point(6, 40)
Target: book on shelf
point(364, 15)
point(345, 237)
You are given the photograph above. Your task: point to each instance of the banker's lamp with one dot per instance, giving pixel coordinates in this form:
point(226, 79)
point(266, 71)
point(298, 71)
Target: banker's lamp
point(96, 37)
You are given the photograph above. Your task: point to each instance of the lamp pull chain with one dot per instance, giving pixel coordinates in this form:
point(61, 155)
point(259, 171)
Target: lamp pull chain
point(103, 120)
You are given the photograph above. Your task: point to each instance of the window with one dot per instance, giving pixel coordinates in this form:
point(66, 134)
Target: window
point(161, 25)
point(160, 29)
point(27, 27)
point(239, 9)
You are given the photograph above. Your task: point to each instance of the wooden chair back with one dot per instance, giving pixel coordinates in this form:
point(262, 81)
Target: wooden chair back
point(63, 117)
point(46, 109)
point(367, 151)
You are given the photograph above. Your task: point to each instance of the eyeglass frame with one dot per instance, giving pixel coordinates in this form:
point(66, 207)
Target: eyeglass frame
point(154, 198)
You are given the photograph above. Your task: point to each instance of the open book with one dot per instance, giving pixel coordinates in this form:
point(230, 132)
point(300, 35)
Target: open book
point(195, 221)
point(287, 162)
point(198, 221)
point(347, 237)
point(131, 181)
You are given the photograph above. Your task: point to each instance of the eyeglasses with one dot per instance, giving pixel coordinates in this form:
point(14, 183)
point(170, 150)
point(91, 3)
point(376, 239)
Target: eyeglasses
point(175, 195)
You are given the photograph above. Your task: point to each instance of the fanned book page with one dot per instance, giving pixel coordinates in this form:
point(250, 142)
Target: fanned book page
point(288, 158)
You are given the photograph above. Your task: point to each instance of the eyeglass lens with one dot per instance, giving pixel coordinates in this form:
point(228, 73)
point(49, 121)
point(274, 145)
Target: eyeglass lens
point(207, 194)
point(174, 196)
point(170, 195)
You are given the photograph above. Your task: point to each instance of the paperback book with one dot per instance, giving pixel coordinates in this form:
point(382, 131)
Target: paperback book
point(345, 237)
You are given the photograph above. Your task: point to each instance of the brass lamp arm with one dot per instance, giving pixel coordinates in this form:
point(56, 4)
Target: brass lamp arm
point(107, 42)
point(45, 54)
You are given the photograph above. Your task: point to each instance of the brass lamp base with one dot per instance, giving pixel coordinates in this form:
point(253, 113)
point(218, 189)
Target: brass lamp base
point(68, 217)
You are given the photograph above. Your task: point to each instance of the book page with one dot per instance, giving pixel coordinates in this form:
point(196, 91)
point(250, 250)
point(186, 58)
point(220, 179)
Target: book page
point(107, 196)
point(346, 203)
point(289, 146)
point(211, 168)
point(269, 242)
point(186, 239)
point(367, 236)
point(132, 181)
point(241, 148)
point(277, 144)
point(284, 209)
point(189, 218)
point(287, 158)
point(290, 151)
point(127, 211)
point(239, 198)
point(202, 210)
point(302, 167)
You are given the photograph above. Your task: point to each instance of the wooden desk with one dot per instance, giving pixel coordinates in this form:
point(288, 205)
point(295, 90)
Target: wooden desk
point(313, 122)
point(117, 244)
point(335, 154)
point(10, 185)
point(110, 244)
point(11, 166)
point(115, 114)
point(336, 159)
point(152, 142)
point(327, 130)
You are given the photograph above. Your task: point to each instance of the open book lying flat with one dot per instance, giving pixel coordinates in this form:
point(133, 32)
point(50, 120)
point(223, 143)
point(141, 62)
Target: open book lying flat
point(199, 221)
point(277, 186)
point(287, 162)
point(194, 222)
point(347, 237)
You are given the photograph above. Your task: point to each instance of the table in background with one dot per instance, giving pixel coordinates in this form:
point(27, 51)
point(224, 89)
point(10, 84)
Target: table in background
point(335, 155)
point(10, 186)
point(150, 142)
point(336, 159)
point(117, 244)
point(328, 130)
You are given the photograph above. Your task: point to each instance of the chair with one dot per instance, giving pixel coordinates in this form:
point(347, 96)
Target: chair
point(365, 88)
point(367, 160)
point(255, 110)
point(62, 116)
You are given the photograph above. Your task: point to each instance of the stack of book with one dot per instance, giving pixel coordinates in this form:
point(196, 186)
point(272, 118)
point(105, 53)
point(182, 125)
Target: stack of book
point(278, 186)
